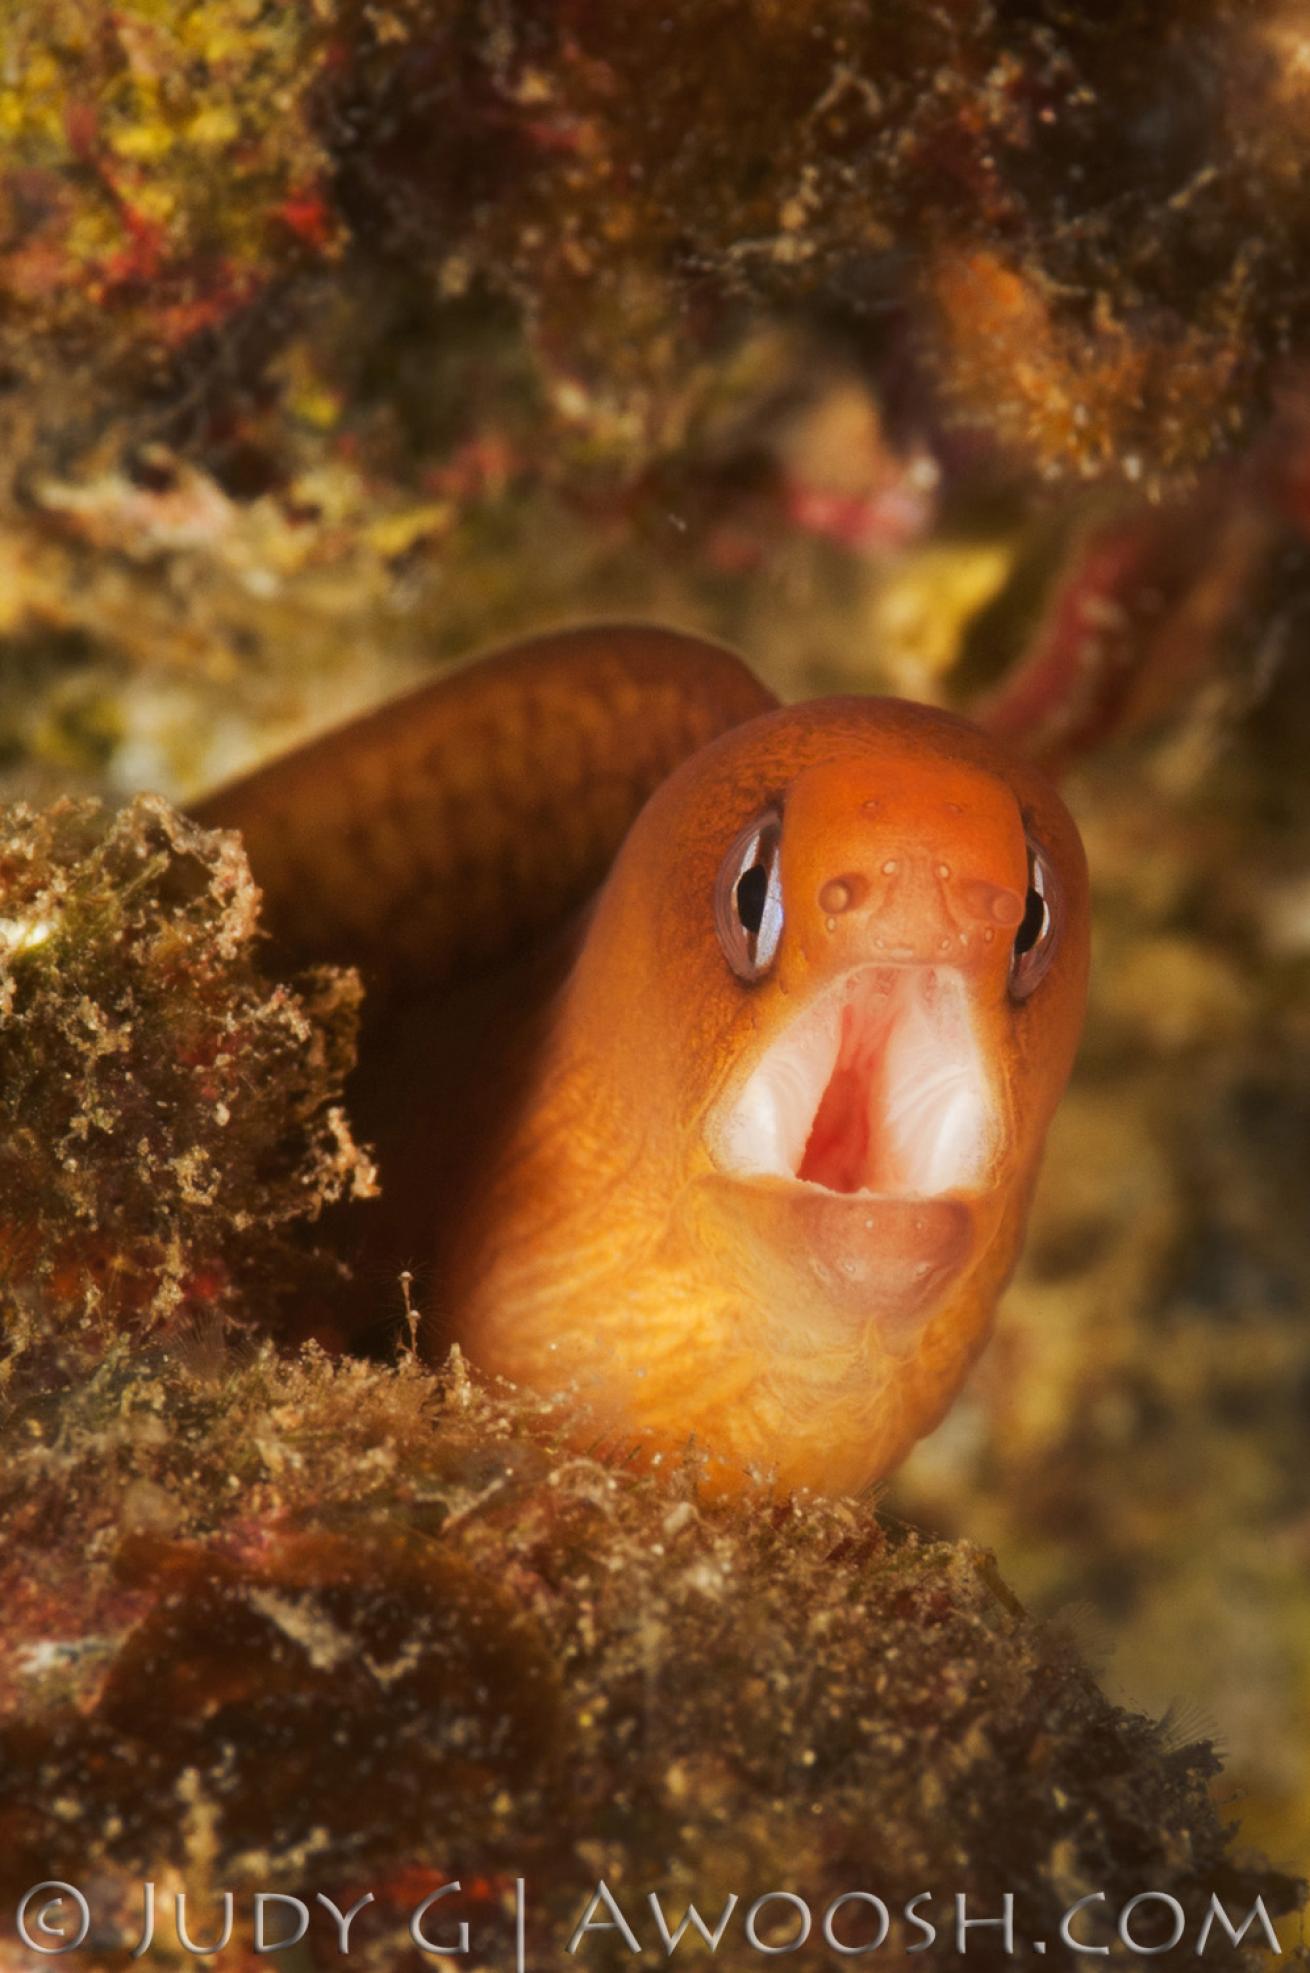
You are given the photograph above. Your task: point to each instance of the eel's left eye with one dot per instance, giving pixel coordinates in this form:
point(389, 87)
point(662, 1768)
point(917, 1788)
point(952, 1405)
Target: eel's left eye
point(748, 897)
point(1034, 942)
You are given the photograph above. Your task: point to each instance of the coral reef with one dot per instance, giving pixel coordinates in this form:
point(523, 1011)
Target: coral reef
point(957, 351)
point(1091, 225)
point(338, 338)
point(167, 1112)
point(160, 174)
point(291, 1625)
point(1059, 206)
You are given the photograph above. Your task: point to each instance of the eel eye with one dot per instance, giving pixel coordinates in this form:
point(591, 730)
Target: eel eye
point(1035, 940)
point(748, 897)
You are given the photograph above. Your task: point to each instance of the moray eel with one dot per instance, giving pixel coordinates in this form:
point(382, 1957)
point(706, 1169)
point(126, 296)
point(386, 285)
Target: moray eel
point(714, 1042)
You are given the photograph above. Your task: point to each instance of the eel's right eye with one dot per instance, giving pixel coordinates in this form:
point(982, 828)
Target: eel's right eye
point(748, 897)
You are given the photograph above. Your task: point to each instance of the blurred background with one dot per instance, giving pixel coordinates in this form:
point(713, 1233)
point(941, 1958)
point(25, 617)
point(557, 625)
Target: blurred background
point(958, 352)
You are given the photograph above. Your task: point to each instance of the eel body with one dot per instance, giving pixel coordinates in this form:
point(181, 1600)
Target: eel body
point(713, 1042)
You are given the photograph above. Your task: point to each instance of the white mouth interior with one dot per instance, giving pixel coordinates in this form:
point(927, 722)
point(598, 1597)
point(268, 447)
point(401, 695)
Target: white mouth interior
point(877, 1088)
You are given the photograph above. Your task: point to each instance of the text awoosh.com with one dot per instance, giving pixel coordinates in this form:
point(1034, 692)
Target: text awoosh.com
point(56, 1917)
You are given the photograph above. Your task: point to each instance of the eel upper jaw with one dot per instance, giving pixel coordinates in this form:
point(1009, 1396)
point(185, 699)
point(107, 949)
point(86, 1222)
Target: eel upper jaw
point(864, 1138)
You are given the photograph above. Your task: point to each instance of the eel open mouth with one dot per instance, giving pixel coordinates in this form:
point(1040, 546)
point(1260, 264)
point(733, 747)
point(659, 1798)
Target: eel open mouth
point(878, 1088)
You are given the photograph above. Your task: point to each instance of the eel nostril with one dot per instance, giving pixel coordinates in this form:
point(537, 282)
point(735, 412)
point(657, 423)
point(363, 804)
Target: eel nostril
point(842, 893)
point(1007, 909)
point(994, 904)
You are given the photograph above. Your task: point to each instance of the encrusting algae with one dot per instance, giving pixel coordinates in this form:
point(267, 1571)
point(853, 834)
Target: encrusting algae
point(338, 338)
point(1091, 224)
point(168, 1112)
point(311, 1627)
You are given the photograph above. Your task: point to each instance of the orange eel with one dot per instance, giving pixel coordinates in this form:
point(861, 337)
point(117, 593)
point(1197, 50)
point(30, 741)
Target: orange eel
point(714, 1041)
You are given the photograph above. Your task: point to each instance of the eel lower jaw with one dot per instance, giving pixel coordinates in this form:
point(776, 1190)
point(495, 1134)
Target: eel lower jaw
point(863, 1145)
